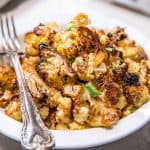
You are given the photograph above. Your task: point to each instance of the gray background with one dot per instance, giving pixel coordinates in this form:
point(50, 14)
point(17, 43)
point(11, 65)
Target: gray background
point(137, 141)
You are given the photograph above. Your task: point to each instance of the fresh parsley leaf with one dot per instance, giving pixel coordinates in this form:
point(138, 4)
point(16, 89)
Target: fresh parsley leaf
point(71, 27)
point(115, 67)
point(92, 90)
point(121, 62)
point(133, 110)
point(109, 49)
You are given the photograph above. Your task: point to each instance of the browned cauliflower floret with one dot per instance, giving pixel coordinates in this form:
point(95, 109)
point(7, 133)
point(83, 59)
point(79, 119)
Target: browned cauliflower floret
point(81, 19)
point(137, 95)
point(61, 126)
point(144, 71)
point(133, 66)
point(72, 90)
point(102, 114)
point(81, 112)
point(62, 104)
point(74, 41)
point(35, 83)
point(41, 34)
point(79, 76)
point(7, 77)
point(76, 126)
point(131, 50)
point(53, 67)
point(63, 113)
point(44, 112)
point(13, 109)
point(6, 96)
point(122, 102)
point(112, 92)
point(91, 66)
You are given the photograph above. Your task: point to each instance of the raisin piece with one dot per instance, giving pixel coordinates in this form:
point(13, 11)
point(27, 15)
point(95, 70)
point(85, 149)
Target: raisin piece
point(131, 79)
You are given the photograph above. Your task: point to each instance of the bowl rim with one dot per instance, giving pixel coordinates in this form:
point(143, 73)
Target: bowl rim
point(15, 126)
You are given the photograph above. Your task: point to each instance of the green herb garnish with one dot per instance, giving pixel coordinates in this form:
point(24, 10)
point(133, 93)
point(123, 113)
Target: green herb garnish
point(148, 98)
point(71, 27)
point(109, 49)
point(115, 67)
point(133, 109)
point(92, 90)
point(121, 62)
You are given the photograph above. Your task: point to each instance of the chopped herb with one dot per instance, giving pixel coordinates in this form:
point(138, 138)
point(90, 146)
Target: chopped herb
point(44, 64)
point(71, 27)
point(70, 61)
point(148, 98)
point(82, 62)
point(114, 67)
point(92, 90)
point(121, 62)
point(109, 49)
point(133, 109)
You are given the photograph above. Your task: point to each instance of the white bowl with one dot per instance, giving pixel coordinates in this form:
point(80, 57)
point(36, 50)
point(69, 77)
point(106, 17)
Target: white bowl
point(94, 136)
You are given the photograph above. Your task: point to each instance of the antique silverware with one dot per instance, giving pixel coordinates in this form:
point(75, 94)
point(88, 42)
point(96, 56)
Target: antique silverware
point(34, 133)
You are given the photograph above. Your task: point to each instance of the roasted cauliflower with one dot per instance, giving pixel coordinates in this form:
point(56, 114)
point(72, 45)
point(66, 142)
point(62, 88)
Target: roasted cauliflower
point(79, 76)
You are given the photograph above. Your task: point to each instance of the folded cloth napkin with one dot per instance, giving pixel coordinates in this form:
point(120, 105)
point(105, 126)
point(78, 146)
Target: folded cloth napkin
point(3, 3)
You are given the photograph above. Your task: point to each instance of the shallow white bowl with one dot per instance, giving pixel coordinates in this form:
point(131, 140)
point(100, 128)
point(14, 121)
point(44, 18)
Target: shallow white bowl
point(89, 137)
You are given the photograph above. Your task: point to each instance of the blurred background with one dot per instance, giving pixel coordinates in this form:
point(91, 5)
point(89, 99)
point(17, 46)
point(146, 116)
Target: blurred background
point(135, 12)
point(138, 6)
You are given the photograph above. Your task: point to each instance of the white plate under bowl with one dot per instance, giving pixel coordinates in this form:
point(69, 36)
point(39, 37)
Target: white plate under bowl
point(94, 136)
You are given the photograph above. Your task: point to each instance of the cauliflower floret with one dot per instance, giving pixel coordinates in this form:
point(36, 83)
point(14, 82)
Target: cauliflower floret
point(130, 52)
point(53, 67)
point(81, 19)
point(6, 97)
point(72, 42)
point(62, 104)
point(72, 90)
point(133, 66)
point(122, 102)
point(44, 112)
point(35, 83)
point(104, 39)
point(76, 126)
point(128, 110)
point(7, 77)
point(63, 113)
point(137, 95)
point(81, 112)
point(90, 67)
point(102, 114)
point(32, 42)
point(61, 126)
point(41, 34)
point(13, 110)
point(112, 92)
point(144, 71)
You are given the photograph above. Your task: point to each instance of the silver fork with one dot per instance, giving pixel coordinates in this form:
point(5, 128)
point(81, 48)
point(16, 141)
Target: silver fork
point(34, 133)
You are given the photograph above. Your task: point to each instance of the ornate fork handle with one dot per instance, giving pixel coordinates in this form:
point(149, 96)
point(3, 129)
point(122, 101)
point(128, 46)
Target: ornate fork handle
point(34, 133)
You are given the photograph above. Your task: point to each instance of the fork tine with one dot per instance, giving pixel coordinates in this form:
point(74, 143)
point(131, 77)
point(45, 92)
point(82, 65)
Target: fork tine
point(7, 24)
point(16, 39)
point(5, 46)
point(9, 35)
point(13, 26)
point(2, 28)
